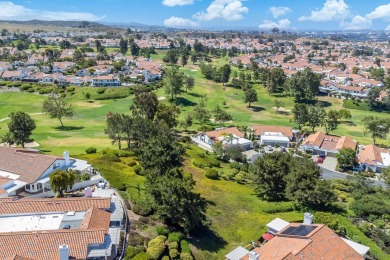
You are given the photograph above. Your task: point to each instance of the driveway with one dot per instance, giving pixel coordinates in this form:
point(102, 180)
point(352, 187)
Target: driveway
point(329, 162)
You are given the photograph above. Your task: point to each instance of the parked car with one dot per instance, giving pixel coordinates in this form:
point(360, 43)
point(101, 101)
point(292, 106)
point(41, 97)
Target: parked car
point(322, 156)
point(320, 160)
point(270, 148)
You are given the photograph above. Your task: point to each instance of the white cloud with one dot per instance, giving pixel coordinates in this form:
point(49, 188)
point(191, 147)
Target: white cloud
point(177, 2)
point(11, 11)
point(382, 11)
point(331, 11)
point(179, 22)
point(278, 11)
point(229, 10)
point(281, 24)
point(357, 23)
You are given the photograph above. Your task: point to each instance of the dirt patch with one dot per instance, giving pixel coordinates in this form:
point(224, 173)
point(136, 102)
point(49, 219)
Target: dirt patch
point(213, 120)
point(161, 98)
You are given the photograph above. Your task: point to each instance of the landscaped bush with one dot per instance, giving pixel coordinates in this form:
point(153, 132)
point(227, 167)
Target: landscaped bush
point(3, 83)
point(137, 169)
point(185, 247)
point(131, 163)
point(45, 91)
point(70, 89)
point(31, 90)
point(211, 174)
point(201, 163)
point(161, 231)
point(111, 157)
point(140, 200)
point(101, 90)
point(156, 247)
point(173, 245)
point(235, 165)
point(173, 253)
point(91, 150)
point(186, 256)
point(132, 251)
point(142, 256)
point(175, 237)
point(25, 86)
point(17, 84)
point(111, 96)
point(215, 163)
point(122, 153)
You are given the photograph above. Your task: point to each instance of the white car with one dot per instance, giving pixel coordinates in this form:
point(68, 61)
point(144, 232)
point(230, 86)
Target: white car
point(270, 148)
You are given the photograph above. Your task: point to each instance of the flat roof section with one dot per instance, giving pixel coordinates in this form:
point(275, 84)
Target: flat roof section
point(30, 222)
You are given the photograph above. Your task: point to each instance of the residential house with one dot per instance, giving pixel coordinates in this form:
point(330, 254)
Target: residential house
point(273, 135)
point(62, 66)
point(320, 143)
point(3, 66)
point(228, 136)
point(61, 228)
point(13, 75)
point(67, 54)
point(29, 170)
point(374, 158)
point(106, 81)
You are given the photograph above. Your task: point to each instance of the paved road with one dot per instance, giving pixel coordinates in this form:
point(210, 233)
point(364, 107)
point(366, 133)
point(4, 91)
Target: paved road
point(329, 174)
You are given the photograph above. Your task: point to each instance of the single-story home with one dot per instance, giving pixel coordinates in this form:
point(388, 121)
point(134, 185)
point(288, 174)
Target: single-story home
point(273, 135)
point(228, 136)
point(329, 145)
point(374, 158)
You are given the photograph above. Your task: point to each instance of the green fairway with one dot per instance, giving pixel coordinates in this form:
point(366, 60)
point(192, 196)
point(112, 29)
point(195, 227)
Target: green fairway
point(86, 129)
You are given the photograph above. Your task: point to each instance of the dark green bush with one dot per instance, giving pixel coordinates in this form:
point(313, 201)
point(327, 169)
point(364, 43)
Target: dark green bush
point(201, 163)
point(111, 96)
point(25, 86)
point(70, 89)
point(211, 174)
point(131, 163)
point(3, 83)
point(161, 231)
point(91, 150)
point(31, 90)
point(101, 90)
point(175, 237)
point(122, 153)
point(137, 169)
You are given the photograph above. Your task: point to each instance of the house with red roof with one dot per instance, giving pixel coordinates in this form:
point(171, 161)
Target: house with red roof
point(320, 143)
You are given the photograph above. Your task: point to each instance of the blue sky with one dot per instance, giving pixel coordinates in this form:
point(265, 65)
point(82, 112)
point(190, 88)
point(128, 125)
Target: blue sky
point(263, 14)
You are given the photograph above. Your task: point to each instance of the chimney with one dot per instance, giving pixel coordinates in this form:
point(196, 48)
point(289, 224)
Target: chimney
point(308, 218)
point(64, 252)
point(66, 158)
point(253, 256)
point(88, 192)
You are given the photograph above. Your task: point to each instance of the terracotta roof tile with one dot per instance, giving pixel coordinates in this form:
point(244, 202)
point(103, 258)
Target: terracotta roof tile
point(285, 130)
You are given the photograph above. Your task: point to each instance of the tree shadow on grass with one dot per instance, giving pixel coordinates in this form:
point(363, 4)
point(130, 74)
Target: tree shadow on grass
point(206, 239)
point(194, 94)
point(257, 109)
point(185, 102)
point(68, 128)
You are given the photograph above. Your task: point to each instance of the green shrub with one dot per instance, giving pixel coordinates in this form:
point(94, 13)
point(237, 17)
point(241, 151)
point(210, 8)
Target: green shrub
point(235, 165)
point(279, 207)
point(186, 256)
point(45, 91)
point(25, 86)
point(173, 245)
point(17, 84)
point(3, 83)
point(156, 247)
point(215, 163)
point(201, 155)
point(142, 256)
point(140, 200)
point(131, 163)
point(63, 95)
point(185, 247)
point(111, 96)
point(162, 231)
point(31, 90)
point(122, 153)
point(91, 150)
point(101, 90)
point(111, 157)
point(173, 253)
point(211, 174)
point(137, 169)
point(70, 89)
point(175, 237)
point(201, 163)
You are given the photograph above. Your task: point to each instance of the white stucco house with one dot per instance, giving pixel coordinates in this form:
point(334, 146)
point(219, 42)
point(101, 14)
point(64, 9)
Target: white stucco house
point(26, 170)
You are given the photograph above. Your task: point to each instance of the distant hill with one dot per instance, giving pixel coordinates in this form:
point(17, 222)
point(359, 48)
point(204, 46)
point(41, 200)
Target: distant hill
point(73, 24)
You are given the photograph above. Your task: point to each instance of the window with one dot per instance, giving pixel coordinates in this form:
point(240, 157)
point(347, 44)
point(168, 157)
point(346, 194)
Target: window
point(56, 165)
point(39, 186)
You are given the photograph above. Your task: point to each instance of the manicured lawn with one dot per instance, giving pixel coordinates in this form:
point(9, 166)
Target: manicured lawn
point(86, 129)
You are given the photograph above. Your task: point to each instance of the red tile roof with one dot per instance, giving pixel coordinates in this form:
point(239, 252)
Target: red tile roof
point(221, 132)
point(285, 130)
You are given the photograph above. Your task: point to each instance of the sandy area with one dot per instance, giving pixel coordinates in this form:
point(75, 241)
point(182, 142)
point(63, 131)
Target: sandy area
point(282, 109)
point(28, 145)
